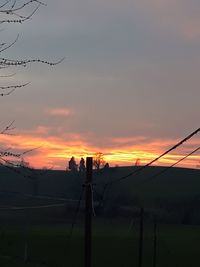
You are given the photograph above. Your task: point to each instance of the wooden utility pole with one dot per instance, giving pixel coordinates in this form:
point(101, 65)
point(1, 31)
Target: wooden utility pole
point(88, 212)
point(141, 237)
point(155, 243)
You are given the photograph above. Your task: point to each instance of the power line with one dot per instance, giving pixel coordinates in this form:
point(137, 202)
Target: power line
point(157, 158)
point(45, 197)
point(169, 167)
point(76, 214)
point(33, 207)
point(110, 183)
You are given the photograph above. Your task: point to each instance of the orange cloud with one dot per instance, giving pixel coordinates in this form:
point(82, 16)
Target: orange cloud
point(55, 152)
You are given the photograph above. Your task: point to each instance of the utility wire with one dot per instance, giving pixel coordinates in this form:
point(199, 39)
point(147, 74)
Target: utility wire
point(110, 183)
point(76, 214)
point(45, 197)
point(32, 207)
point(169, 167)
point(157, 158)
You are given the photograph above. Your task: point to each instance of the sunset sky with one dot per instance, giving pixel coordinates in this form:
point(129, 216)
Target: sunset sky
point(129, 86)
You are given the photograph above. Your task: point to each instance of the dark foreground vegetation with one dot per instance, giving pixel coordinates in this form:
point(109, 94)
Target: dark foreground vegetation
point(37, 209)
point(114, 244)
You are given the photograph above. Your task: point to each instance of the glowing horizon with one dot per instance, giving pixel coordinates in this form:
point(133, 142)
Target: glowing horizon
point(54, 152)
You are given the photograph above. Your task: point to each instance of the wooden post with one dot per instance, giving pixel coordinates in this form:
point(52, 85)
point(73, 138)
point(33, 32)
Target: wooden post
point(88, 212)
point(155, 243)
point(141, 237)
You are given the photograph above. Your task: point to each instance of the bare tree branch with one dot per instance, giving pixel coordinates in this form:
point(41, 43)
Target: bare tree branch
point(20, 20)
point(13, 86)
point(12, 11)
point(12, 62)
point(8, 46)
point(9, 127)
point(5, 4)
point(8, 76)
point(8, 93)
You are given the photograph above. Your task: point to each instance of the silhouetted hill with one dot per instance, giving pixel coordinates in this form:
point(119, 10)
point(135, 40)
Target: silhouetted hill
point(176, 182)
point(173, 194)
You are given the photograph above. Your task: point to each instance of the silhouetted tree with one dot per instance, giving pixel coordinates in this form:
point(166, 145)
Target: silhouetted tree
point(106, 166)
point(72, 165)
point(82, 165)
point(98, 160)
point(138, 162)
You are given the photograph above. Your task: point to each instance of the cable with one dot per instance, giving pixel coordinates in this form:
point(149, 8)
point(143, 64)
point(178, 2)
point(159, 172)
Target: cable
point(101, 196)
point(148, 164)
point(157, 158)
point(169, 167)
point(33, 207)
point(39, 196)
point(76, 214)
point(92, 192)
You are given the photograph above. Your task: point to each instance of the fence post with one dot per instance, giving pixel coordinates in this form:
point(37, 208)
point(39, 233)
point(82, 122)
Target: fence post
point(141, 237)
point(88, 212)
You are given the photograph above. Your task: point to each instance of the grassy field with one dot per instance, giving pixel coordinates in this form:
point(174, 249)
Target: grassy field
point(114, 244)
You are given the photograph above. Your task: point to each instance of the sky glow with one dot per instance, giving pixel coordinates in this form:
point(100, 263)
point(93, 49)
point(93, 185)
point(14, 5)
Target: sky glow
point(128, 87)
